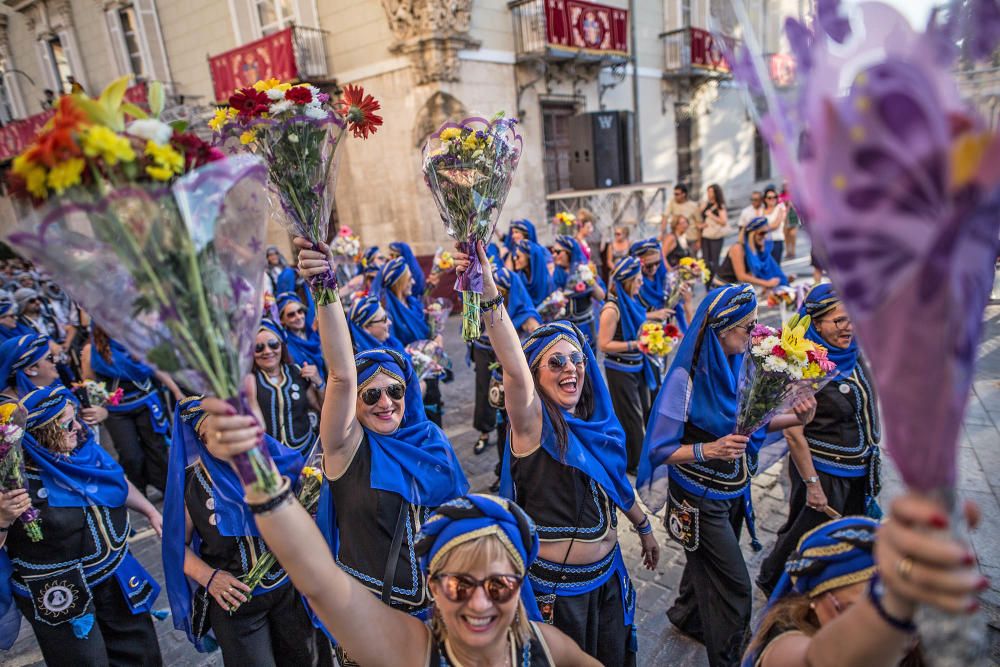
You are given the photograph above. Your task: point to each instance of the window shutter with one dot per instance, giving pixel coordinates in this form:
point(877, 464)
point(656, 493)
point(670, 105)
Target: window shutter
point(117, 43)
point(49, 68)
point(68, 40)
point(154, 53)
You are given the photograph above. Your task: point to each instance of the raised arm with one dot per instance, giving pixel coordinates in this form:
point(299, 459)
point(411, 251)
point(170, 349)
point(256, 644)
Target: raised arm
point(524, 408)
point(339, 429)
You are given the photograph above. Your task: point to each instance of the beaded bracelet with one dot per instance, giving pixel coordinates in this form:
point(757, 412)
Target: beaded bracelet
point(875, 591)
point(699, 452)
point(492, 304)
point(274, 501)
point(644, 528)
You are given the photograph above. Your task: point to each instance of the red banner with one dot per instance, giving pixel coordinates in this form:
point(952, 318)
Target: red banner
point(705, 53)
point(782, 67)
point(586, 26)
point(272, 56)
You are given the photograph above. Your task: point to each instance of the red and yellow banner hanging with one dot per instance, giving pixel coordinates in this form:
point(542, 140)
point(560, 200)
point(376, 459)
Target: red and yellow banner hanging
point(586, 26)
point(706, 53)
point(270, 57)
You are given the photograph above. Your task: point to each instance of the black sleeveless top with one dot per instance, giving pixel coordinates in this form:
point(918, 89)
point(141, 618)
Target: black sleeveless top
point(565, 503)
point(235, 555)
point(677, 254)
point(533, 654)
point(288, 417)
point(725, 477)
point(366, 522)
point(846, 426)
point(726, 273)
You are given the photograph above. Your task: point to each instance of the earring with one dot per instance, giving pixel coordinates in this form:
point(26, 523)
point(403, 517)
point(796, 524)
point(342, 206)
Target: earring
point(812, 605)
point(30, 374)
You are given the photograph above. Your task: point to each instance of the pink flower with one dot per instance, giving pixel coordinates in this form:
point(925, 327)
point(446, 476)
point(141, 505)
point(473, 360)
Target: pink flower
point(580, 286)
point(762, 331)
point(345, 231)
point(827, 365)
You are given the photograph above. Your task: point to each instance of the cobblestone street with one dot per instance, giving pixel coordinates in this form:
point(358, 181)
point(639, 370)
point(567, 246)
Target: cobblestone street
point(659, 643)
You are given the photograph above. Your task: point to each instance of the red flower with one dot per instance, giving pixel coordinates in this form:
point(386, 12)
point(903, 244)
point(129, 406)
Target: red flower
point(299, 95)
point(196, 152)
point(359, 111)
point(249, 102)
point(778, 351)
point(671, 331)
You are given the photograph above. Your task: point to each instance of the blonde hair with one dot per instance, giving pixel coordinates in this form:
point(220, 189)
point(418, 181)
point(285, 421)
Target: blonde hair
point(465, 557)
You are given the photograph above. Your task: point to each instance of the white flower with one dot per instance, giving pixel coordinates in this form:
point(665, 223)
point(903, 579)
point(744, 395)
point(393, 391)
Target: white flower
point(275, 94)
point(281, 107)
point(294, 138)
point(317, 112)
point(151, 129)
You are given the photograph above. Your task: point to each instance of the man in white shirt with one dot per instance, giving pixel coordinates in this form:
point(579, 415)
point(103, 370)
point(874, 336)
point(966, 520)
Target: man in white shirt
point(754, 210)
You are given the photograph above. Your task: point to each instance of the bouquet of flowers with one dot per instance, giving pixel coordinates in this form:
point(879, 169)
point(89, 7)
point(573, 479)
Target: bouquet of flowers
point(429, 359)
point(564, 222)
point(157, 235)
point(345, 246)
point(442, 263)
point(554, 306)
point(96, 394)
point(469, 167)
point(782, 295)
point(437, 311)
point(12, 419)
point(310, 485)
point(584, 276)
point(658, 340)
point(782, 366)
point(296, 129)
point(691, 269)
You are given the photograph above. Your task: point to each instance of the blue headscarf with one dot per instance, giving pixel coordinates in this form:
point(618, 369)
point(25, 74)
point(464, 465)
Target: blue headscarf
point(123, 366)
point(560, 275)
point(821, 300)
point(234, 518)
point(476, 516)
point(306, 350)
point(519, 305)
point(539, 284)
point(595, 446)
point(653, 292)
point(761, 264)
point(368, 260)
point(407, 317)
point(16, 355)
point(630, 311)
point(19, 329)
point(526, 227)
point(704, 395)
point(404, 251)
point(416, 461)
point(289, 282)
point(362, 312)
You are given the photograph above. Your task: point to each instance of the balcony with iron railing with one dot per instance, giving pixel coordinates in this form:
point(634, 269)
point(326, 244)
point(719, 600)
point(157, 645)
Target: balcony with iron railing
point(560, 30)
point(693, 52)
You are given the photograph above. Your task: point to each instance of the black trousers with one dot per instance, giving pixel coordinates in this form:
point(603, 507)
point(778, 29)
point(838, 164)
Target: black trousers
point(596, 622)
point(484, 416)
point(142, 452)
point(118, 637)
point(844, 494)
point(433, 402)
point(630, 399)
point(711, 249)
point(778, 251)
point(271, 629)
point(714, 597)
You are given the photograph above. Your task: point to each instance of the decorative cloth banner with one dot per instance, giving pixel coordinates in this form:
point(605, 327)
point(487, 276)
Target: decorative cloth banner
point(706, 53)
point(270, 57)
point(586, 26)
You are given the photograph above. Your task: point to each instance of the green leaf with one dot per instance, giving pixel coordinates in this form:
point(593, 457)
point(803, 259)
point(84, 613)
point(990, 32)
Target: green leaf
point(95, 111)
point(179, 125)
point(134, 111)
point(112, 96)
point(156, 100)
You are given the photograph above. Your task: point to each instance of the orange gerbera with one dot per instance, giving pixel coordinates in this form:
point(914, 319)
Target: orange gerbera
point(55, 142)
point(359, 111)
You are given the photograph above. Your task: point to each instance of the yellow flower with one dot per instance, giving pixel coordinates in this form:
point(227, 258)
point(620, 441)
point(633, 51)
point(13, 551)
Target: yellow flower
point(6, 410)
point(219, 119)
point(100, 141)
point(309, 471)
point(793, 338)
point(450, 133)
point(248, 137)
point(471, 143)
point(812, 370)
point(35, 182)
point(66, 174)
point(268, 84)
point(166, 161)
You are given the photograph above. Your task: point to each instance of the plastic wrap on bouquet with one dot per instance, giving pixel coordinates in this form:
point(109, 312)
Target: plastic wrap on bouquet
point(437, 311)
point(173, 272)
point(12, 420)
point(469, 167)
point(429, 359)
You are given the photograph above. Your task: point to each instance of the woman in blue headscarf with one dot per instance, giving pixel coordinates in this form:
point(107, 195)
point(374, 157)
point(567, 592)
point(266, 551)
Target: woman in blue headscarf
point(84, 594)
point(301, 336)
point(692, 458)
point(396, 285)
point(139, 424)
point(276, 264)
point(751, 260)
point(371, 326)
point(401, 249)
point(631, 375)
point(870, 579)
point(586, 288)
point(210, 544)
point(519, 230)
point(530, 264)
point(565, 465)
point(288, 396)
point(836, 455)
point(653, 293)
point(10, 327)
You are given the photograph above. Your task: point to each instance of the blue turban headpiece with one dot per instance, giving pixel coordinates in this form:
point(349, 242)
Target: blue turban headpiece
point(16, 355)
point(407, 316)
point(362, 312)
point(539, 284)
point(268, 325)
point(404, 251)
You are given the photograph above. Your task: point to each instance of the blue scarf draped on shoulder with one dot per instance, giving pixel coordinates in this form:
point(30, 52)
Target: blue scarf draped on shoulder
point(595, 446)
point(363, 311)
point(653, 293)
point(631, 313)
point(416, 461)
point(417, 273)
point(306, 350)
point(234, 517)
point(408, 320)
point(493, 253)
point(537, 281)
point(821, 300)
point(519, 305)
point(761, 264)
point(704, 395)
point(19, 354)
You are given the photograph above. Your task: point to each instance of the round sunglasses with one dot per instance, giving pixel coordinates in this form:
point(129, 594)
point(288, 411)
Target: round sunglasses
point(372, 395)
point(557, 361)
point(271, 345)
point(499, 588)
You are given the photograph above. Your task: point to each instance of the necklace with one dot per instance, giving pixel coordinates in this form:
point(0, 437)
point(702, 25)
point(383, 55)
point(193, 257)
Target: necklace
point(448, 661)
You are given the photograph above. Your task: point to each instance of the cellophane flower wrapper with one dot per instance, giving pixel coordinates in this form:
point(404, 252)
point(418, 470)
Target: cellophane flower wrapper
point(12, 465)
point(553, 307)
point(346, 248)
point(673, 291)
point(173, 272)
point(437, 311)
point(97, 394)
point(430, 360)
point(469, 167)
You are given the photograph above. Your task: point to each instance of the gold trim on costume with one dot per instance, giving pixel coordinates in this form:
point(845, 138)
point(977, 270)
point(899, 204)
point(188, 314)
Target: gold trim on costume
point(476, 534)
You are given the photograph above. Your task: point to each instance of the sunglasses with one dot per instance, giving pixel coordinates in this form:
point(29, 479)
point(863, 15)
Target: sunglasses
point(380, 320)
point(771, 197)
point(68, 426)
point(271, 345)
point(557, 361)
point(296, 312)
point(50, 358)
point(372, 395)
point(499, 588)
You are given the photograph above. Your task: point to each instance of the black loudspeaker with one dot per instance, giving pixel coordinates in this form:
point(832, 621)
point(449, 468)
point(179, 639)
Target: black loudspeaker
point(601, 150)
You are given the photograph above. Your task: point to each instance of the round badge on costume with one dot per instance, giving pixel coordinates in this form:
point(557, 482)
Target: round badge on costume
point(844, 388)
point(213, 519)
point(57, 598)
point(43, 492)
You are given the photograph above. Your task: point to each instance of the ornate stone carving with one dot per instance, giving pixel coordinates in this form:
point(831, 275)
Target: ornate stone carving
point(438, 108)
point(431, 33)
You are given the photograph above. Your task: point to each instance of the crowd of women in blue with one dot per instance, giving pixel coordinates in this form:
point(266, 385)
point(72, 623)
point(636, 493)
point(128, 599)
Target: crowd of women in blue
point(401, 564)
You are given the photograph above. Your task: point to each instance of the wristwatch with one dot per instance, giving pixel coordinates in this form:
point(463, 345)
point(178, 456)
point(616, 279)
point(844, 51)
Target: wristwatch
point(811, 480)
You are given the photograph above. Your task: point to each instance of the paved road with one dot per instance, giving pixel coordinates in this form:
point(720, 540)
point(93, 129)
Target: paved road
point(659, 644)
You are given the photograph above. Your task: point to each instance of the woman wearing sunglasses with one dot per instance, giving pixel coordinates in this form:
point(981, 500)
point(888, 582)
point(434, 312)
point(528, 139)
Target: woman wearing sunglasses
point(530, 262)
point(288, 396)
point(750, 260)
point(301, 337)
point(84, 594)
point(692, 458)
point(565, 465)
point(652, 293)
point(583, 292)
